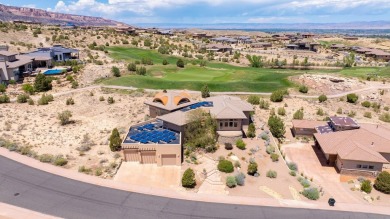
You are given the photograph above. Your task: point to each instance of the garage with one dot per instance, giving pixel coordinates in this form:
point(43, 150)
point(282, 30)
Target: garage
point(131, 155)
point(168, 159)
point(148, 157)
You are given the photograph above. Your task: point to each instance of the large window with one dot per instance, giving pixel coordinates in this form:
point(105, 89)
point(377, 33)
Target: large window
point(228, 123)
point(360, 166)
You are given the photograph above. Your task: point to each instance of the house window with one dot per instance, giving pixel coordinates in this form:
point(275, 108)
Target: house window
point(359, 166)
point(230, 124)
point(226, 124)
point(221, 124)
point(370, 167)
point(364, 167)
point(235, 124)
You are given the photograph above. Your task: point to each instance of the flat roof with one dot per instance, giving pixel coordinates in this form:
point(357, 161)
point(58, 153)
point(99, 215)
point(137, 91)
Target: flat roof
point(152, 132)
point(343, 121)
point(324, 129)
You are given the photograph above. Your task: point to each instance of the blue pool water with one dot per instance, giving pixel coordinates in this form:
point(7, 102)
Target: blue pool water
point(53, 72)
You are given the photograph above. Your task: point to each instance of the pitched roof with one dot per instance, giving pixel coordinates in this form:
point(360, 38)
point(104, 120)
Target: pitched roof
point(7, 53)
point(228, 107)
point(20, 60)
point(355, 151)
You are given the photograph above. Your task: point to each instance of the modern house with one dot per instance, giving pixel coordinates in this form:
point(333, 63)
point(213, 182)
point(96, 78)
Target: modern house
point(56, 53)
point(261, 45)
point(218, 48)
point(12, 66)
point(226, 40)
point(377, 54)
point(337, 46)
point(160, 140)
point(305, 127)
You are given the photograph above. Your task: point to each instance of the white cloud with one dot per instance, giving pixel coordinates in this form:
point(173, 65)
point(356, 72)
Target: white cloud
point(29, 6)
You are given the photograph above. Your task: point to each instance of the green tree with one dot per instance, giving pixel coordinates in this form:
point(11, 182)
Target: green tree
point(3, 87)
point(115, 140)
point(205, 91)
point(200, 131)
point(255, 61)
point(42, 83)
point(165, 62)
point(382, 182)
point(225, 166)
point(322, 98)
point(115, 71)
point(251, 133)
point(276, 126)
point(349, 60)
point(253, 99)
point(366, 186)
point(188, 179)
point(141, 71)
point(132, 66)
point(277, 96)
point(352, 98)
point(180, 63)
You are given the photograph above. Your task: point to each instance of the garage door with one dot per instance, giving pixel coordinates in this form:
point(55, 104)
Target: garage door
point(131, 155)
point(148, 156)
point(168, 159)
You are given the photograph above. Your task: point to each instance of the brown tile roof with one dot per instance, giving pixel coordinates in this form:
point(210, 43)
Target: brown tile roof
point(355, 151)
point(307, 124)
point(7, 53)
point(228, 107)
point(20, 60)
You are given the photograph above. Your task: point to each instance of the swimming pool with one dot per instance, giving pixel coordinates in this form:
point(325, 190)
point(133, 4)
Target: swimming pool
point(54, 71)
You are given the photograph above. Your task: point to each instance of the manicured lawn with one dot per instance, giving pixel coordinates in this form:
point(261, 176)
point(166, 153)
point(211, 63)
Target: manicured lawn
point(218, 76)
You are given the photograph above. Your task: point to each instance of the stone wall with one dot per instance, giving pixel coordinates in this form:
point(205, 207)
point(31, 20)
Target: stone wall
point(228, 139)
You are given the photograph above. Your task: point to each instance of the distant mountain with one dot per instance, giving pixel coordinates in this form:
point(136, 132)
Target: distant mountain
point(254, 26)
point(12, 13)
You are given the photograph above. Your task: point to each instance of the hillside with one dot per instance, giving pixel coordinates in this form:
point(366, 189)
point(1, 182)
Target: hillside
point(12, 13)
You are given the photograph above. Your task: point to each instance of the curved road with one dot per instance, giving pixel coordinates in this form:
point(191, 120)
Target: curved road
point(33, 189)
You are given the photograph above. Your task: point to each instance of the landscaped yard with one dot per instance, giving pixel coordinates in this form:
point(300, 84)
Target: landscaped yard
point(218, 76)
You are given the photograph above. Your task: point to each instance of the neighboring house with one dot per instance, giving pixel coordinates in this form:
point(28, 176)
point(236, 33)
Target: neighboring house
point(57, 53)
point(351, 38)
point(12, 66)
point(160, 140)
point(305, 127)
point(224, 40)
point(125, 30)
point(218, 48)
point(261, 45)
point(337, 46)
point(307, 35)
point(374, 53)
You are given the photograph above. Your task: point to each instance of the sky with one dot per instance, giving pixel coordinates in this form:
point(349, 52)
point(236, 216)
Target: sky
point(219, 11)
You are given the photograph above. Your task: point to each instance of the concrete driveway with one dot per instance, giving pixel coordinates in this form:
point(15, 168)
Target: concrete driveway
point(149, 175)
point(312, 163)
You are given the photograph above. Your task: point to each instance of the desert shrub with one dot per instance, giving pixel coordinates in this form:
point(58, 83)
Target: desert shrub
point(165, 62)
point(228, 146)
point(231, 181)
point(276, 126)
point(69, 78)
point(311, 193)
point(322, 98)
point(240, 179)
point(205, 91)
point(386, 108)
point(60, 161)
point(252, 168)
point(3, 88)
point(115, 140)
point(240, 144)
point(292, 166)
point(42, 83)
point(251, 133)
point(225, 166)
point(366, 186)
point(30, 101)
point(98, 172)
point(101, 98)
point(22, 98)
point(303, 89)
point(110, 100)
point(277, 96)
point(115, 71)
point(385, 117)
point(366, 104)
point(140, 71)
point(298, 114)
point(274, 157)
point(339, 110)
point(4, 99)
point(263, 104)
point(64, 117)
point(83, 148)
point(352, 113)
point(69, 101)
point(293, 173)
point(382, 182)
point(28, 88)
point(188, 179)
point(45, 99)
point(83, 169)
point(270, 149)
point(75, 84)
point(253, 99)
point(264, 136)
point(271, 174)
point(132, 67)
point(320, 112)
point(281, 111)
point(46, 158)
point(304, 182)
point(180, 63)
point(367, 115)
point(352, 98)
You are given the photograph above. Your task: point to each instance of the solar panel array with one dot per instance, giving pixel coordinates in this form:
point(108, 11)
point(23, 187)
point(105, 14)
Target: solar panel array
point(152, 133)
point(197, 105)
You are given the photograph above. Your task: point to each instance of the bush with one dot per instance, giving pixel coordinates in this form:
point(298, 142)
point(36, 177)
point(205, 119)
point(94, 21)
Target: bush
point(298, 114)
point(367, 115)
point(70, 101)
point(270, 149)
point(42, 83)
point(180, 63)
point(281, 111)
point(366, 186)
point(132, 67)
point(322, 98)
point(252, 168)
point(274, 157)
point(277, 96)
point(165, 62)
point(101, 98)
point(320, 112)
point(115, 140)
point(240, 179)
point(60, 161)
point(3, 87)
point(205, 91)
point(75, 84)
point(225, 166)
point(64, 117)
point(303, 89)
point(231, 181)
point(228, 146)
point(28, 88)
point(4, 99)
point(140, 71)
point(304, 182)
point(115, 71)
point(22, 98)
point(293, 173)
point(292, 166)
point(45, 99)
point(188, 179)
point(253, 99)
point(251, 133)
point(311, 193)
point(276, 126)
point(263, 104)
point(352, 98)
point(382, 182)
point(46, 158)
point(385, 117)
point(30, 101)
point(240, 144)
point(110, 100)
point(272, 174)
point(366, 104)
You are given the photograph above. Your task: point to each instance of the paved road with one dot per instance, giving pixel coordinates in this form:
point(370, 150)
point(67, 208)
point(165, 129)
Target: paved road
point(33, 189)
